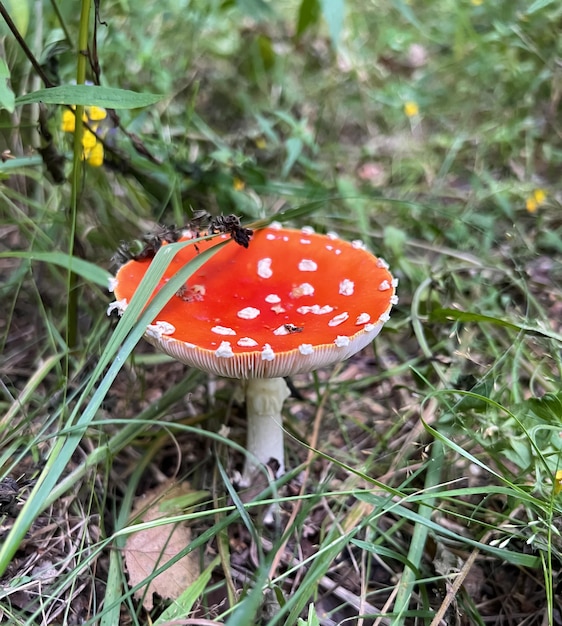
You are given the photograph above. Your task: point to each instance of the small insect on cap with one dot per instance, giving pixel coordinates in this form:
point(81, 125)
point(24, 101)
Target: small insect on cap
point(293, 301)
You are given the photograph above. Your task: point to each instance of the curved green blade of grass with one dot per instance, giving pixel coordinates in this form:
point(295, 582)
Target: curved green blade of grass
point(127, 334)
point(89, 271)
point(89, 95)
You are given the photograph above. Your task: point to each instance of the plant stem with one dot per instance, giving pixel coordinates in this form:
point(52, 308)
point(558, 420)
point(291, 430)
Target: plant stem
point(265, 439)
point(72, 306)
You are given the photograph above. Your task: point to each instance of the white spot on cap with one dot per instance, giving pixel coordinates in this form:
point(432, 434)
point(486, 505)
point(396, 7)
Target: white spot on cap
point(338, 319)
point(160, 328)
point(307, 230)
point(285, 238)
point(306, 348)
point(395, 282)
point(304, 289)
point(305, 241)
point(308, 265)
point(264, 268)
point(394, 300)
point(382, 264)
point(267, 353)
point(112, 283)
point(223, 330)
point(384, 286)
point(315, 309)
point(358, 244)
point(119, 306)
point(249, 313)
point(282, 330)
point(332, 235)
point(278, 309)
point(272, 298)
point(384, 317)
point(346, 287)
point(329, 247)
point(270, 236)
point(247, 342)
point(224, 350)
point(369, 327)
point(337, 252)
point(341, 341)
point(275, 225)
point(363, 318)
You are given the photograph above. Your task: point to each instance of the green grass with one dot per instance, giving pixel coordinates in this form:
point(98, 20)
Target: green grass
point(422, 473)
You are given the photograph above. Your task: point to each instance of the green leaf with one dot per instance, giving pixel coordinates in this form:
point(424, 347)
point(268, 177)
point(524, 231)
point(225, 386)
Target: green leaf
point(19, 11)
point(443, 314)
point(85, 269)
point(334, 14)
point(309, 14)
point(294, 148)
point(7, 96)
point(89, 95)
point(538, 5)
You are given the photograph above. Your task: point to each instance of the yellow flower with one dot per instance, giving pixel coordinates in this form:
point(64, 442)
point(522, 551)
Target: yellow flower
point(68, 121)
point(92, 147)
point(477, 3)
point(95, 113)
point(238, 184)
point(558, 482)
point(261, 143)
point(411, 108)
point(95, 156)
point(535, 200)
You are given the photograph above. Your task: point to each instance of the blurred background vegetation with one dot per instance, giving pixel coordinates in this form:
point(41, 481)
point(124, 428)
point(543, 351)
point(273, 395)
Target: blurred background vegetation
point(432, 131)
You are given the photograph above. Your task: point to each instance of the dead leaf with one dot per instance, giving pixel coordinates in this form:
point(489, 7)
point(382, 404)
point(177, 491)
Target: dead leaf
point(150, 549)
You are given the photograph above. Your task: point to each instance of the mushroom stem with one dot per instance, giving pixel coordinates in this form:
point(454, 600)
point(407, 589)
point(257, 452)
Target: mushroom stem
point(264, 401)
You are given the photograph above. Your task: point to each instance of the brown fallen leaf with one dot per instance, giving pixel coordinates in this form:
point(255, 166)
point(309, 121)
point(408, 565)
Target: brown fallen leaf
point(149, 549)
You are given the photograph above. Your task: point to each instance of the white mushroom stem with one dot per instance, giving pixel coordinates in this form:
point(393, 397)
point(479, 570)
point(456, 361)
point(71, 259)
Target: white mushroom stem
point(264, 401)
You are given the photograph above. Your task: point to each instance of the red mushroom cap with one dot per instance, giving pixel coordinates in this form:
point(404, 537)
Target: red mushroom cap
point(292, 302)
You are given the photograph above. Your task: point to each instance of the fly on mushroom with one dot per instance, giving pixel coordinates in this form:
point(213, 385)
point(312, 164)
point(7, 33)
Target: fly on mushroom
point(231, 225)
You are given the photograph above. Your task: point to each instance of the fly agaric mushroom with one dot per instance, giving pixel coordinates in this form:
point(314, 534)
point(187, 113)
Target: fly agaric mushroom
point(292, 302)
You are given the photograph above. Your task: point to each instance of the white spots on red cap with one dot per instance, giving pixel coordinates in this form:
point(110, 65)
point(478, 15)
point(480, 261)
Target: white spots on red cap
point(264, 268)
point(112, 283)
point(341, 341)
point(282, 330)
point(337, 252)
point(332, 235)
point(369, 327)
point(308, 265)
point(304, 289)
point(358, 244)
point(339, 319)
point(223, 330)
point(272, 298)
point(306, 348)
point(394, 300)
point(285, 238)
point(267, 353)
point(315, 309)
point(307, 230)
point(160, 328)
point(247, 342)
point(382, 264)
point(329, 247)
point(384, 317)
point(276, 225)
point(346, 287)
point(119, 305)
point(394, 282)
point(270, 236)
point(363, 318)
point(224, 350)
point(305, 241)
point(248, 313)
point(384, 286)
point(277, 308)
